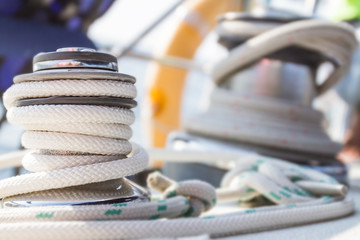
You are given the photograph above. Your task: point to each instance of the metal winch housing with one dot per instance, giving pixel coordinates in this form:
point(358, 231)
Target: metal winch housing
point(78, 63)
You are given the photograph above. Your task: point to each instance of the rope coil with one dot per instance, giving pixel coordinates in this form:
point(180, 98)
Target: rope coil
point(91, 141)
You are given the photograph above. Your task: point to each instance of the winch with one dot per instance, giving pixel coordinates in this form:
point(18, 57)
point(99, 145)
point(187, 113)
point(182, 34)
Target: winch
point(75, 108)
point(263, 93)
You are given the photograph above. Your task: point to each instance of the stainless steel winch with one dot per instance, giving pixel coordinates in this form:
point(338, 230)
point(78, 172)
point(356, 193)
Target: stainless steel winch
point(76, 63)
point(287, 75)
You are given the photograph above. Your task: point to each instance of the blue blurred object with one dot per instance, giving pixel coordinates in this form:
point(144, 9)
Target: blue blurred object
point(27, 38)
point(28, 27)
point(21, 40)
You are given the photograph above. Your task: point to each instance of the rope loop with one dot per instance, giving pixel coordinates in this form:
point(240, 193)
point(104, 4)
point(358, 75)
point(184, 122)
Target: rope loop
point(201, 195)
point(278, 182)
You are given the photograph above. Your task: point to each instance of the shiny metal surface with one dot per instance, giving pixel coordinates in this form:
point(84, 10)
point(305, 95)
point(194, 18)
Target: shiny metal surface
point(272, 78)
point(73, 63)
point(74, 73)
point(109, 192)
point(74, 57)
point(288, 76)
point(75, 49)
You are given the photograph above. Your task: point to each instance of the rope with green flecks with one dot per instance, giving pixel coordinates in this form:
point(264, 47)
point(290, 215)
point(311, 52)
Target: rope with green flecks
point(73, 145)
point(294, 195)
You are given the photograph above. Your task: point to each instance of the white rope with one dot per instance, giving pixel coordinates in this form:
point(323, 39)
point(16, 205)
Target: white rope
point(263, 176)
point(70, 149)
point(334, 40)
point(69, 88)
point(221, 226)
point(75, 145)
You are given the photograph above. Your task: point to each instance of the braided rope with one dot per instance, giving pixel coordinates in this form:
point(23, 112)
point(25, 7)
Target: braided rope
point(334, 40)
point(280, 182)
point(75, 145)
point(69, 88)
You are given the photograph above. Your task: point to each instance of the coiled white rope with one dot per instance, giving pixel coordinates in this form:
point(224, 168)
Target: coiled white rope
point(80, 144)
point(95, 136)
point(337, 41)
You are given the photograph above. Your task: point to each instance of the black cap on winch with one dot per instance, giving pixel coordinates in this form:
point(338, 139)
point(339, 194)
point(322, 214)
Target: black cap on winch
point(74, 57)
point(80, 64)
